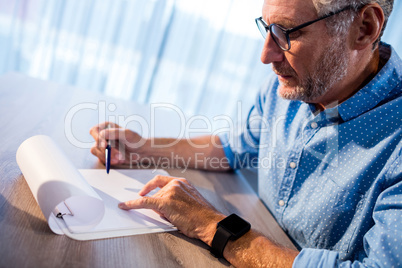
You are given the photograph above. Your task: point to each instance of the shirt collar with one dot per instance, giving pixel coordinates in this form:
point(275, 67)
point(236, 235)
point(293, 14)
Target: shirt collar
point(377, 90)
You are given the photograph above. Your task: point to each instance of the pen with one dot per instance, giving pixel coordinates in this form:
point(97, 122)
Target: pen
point(108, 151)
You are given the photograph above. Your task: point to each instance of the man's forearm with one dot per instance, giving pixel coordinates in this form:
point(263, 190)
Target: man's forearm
point(204, 152)
point(255, 250)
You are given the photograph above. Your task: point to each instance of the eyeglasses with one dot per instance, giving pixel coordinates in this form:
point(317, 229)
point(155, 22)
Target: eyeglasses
point(281, 34)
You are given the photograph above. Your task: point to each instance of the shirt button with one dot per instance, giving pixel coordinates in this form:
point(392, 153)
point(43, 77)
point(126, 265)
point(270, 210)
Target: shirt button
point(281, 203)
point(292, 164)
point(314, 125)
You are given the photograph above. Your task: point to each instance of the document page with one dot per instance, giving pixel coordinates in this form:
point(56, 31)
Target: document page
point(55, 182)
point(83, 204)
point(116, 187)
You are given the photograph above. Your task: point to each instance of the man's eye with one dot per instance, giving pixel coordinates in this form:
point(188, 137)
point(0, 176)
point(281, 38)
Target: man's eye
point(294, 35)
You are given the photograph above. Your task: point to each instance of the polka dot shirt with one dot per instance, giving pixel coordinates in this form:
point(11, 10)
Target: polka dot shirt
point(332, 179)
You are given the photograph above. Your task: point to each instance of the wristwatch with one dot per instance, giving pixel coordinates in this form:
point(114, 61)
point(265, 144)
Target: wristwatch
point(232, 227)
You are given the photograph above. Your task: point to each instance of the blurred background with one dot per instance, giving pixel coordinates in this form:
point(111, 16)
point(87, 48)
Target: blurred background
point(203, 56)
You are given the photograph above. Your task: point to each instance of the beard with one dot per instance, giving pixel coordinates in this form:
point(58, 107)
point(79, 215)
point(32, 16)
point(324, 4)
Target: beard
point(331, 67)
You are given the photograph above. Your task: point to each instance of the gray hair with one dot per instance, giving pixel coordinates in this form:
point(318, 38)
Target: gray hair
point(340, 24)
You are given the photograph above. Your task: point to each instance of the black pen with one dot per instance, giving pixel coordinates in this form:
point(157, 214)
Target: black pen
point(108, 151)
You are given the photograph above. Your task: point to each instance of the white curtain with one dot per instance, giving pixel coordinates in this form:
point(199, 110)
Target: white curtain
point(203, 56)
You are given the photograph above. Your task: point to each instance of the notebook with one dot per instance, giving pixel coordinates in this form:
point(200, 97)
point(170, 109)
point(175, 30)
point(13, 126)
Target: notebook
point(83, 204)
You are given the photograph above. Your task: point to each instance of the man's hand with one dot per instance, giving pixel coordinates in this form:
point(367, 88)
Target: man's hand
point(125, 143)
point(181, 204)
point(129, 148)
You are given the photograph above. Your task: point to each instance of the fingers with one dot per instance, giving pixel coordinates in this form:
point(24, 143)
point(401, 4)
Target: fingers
point(96, 151)
point(179, 203)
point(144, 202)
point(94, 131)
point(99, 152)
point(128, 140)
point(150, 202)
point(101, 134)
point(158, 181)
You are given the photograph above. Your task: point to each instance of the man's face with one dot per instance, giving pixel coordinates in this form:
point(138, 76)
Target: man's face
point(315, 61)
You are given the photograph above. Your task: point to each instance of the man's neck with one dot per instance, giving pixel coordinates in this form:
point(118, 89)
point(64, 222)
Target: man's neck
point(354, 81)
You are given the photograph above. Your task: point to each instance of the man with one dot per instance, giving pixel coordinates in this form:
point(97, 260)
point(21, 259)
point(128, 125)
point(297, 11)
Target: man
point(331, 117)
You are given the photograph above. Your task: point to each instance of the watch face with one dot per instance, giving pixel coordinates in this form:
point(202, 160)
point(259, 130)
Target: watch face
point(235, 225)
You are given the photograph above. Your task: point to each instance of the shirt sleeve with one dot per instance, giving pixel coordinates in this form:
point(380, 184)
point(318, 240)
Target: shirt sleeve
point(241, 148)
point(382, 243)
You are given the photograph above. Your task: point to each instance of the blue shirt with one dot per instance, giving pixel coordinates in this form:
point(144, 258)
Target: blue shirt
point(331, 179)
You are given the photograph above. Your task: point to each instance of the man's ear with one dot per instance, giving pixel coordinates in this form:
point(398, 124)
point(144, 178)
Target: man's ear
point(367, 26)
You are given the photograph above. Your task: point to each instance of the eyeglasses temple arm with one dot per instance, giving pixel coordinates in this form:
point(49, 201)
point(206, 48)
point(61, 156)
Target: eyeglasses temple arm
point(321, 18)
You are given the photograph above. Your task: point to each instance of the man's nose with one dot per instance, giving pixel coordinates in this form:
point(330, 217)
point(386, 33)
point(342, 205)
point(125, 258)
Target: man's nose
point(271, 52)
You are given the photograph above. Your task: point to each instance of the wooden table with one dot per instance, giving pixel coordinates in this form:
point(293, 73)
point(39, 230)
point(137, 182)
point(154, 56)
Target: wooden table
point(31, 106)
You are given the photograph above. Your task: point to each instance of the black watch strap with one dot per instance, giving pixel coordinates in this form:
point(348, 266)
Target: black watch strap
point(219, 242)
point(232, 227)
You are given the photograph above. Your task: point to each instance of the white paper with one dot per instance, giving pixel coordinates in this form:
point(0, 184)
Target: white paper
point(53, 180)
point(114, 188)
point(88, 199)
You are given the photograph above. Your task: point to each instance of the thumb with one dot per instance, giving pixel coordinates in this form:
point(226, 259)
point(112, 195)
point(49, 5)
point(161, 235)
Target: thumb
point(112, 133)
point(143, 202)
